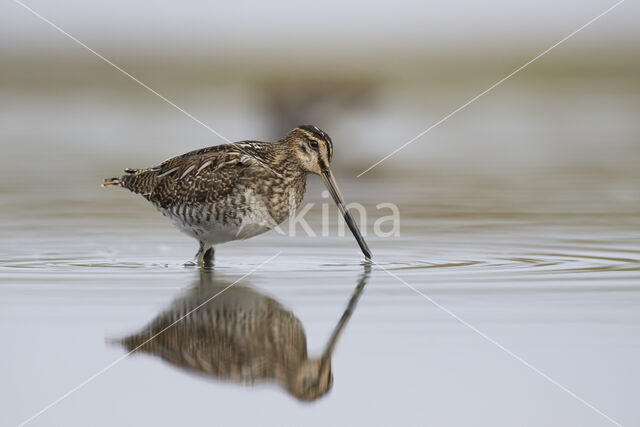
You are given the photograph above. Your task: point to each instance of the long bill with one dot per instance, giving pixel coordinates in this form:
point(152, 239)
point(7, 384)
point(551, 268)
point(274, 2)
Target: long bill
point(330, 182)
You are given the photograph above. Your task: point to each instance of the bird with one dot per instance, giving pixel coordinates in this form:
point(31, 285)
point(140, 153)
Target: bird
point(237, 334)
point(238, 190)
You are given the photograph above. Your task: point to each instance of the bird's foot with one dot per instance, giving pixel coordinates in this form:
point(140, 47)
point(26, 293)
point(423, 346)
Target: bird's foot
point(205, 257)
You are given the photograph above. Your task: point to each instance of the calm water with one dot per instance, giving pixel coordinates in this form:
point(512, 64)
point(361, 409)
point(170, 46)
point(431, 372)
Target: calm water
point(550, 271)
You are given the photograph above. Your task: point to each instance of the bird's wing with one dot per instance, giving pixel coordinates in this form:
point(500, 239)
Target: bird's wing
point(201, 176)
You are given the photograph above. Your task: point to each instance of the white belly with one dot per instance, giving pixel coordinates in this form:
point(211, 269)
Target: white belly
point(201, 223)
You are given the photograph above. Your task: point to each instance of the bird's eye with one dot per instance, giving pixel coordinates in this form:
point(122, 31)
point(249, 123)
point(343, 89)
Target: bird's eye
point(313, 143)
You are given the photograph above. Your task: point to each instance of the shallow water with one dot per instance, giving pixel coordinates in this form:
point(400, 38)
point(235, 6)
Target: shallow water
point(551, 275)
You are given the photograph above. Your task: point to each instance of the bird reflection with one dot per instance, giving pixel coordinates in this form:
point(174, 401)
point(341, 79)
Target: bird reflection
point(243, 336)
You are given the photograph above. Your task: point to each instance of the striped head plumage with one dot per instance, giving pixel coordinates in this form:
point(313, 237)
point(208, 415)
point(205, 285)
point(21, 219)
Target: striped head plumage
point(313, 148)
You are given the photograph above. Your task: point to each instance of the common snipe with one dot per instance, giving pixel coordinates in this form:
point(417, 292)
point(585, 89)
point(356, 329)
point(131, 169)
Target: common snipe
point(236, 191)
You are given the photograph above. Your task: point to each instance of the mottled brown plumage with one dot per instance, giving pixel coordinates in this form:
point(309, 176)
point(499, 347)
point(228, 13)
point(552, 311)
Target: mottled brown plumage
point(240, 335)
point(236, 191)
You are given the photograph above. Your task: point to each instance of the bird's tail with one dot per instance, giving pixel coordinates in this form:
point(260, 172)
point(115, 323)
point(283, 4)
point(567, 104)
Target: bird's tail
point(117, 181)
point(112, 182)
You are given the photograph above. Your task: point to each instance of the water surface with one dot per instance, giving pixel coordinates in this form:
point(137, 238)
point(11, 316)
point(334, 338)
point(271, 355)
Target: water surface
point(552, 275)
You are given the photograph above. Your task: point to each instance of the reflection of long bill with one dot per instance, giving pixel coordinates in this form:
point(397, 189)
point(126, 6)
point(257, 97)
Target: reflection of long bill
point(330, 182)
point(342, 323)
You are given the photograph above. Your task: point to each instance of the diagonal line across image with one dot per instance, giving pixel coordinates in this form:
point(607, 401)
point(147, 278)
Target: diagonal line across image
point(497, 344)
point(191, 116)
point(121, 358)
point(168, 101)
point(490, 88)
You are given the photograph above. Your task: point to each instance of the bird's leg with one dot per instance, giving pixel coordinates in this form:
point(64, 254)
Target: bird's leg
point(205, 255)
point(208, 256)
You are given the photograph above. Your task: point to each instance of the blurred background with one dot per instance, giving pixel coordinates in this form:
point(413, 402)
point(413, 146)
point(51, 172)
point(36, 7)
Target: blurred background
point(372, 76)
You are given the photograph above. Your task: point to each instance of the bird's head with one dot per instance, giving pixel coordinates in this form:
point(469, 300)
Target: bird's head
point(313, 150)
point(312, 147)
